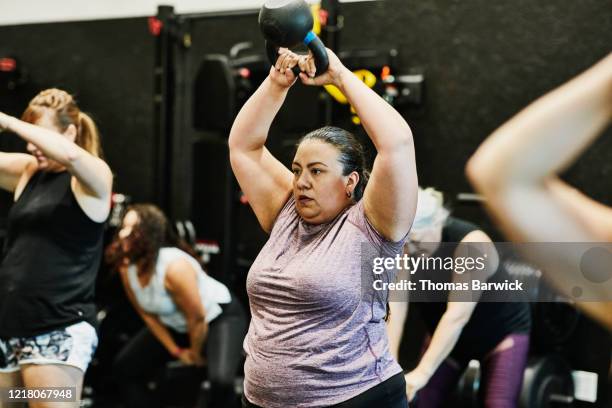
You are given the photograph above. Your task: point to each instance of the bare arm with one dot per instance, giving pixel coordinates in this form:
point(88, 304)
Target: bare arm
point(93, 174)
point(548, 135)
point(182, 283)
point(12, 167)
point(457, 313)
point(595, 216)
point(265, 180)
point(153, 323)
point(516, 168)
point(395, 325)
point(391, 194)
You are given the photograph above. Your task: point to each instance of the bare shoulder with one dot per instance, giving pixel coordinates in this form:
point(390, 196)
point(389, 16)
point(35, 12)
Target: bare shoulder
point(28, 161)
point(103, 174)
point(179, 273)
point(96, 206)
point(478, 240)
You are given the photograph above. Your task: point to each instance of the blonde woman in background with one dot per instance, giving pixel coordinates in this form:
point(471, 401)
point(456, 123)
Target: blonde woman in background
point(53, 246)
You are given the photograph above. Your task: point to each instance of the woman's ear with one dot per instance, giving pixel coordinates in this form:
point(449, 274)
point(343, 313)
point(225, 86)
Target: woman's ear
point(352, 181)
point(71, 132)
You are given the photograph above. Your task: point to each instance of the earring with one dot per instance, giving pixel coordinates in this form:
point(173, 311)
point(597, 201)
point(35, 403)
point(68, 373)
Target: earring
point(349, 194)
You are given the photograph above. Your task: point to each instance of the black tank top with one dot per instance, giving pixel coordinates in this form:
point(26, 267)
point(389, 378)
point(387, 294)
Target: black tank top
point(490, 321)
point(51, 257)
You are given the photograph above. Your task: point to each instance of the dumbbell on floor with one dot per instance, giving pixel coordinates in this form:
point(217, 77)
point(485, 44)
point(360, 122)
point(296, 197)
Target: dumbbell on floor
point(547, 383)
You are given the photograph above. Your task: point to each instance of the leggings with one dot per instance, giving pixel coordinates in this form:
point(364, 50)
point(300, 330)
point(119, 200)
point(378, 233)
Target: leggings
point(500, 383)
point(144, 358)
point(391, 393)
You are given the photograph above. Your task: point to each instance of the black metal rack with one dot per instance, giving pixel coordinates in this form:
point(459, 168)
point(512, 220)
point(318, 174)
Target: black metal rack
point(173, 109)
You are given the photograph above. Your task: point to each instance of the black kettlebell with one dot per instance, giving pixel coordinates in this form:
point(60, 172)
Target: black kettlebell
point(286, 23)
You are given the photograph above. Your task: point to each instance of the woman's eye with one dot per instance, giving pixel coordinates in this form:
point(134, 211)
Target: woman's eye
point(316, 171)
point(296, 171)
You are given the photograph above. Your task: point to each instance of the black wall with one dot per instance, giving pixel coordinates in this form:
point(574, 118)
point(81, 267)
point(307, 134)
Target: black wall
point(483, 62)
point(108, 65)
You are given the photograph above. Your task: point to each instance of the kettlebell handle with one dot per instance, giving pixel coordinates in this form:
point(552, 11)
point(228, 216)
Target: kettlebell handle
point(314, 44)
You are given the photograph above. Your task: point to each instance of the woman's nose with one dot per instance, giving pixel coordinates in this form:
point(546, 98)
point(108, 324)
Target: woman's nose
point(303, 181)
point(123, 233)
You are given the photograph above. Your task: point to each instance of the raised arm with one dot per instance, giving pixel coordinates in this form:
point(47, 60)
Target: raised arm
point(93, 175)
point(182, 283)
point(265, 180)
point(390, 196)
point(516, 170)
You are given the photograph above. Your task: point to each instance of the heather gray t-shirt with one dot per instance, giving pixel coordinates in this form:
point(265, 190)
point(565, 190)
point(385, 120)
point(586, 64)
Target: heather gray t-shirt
point(315, 338)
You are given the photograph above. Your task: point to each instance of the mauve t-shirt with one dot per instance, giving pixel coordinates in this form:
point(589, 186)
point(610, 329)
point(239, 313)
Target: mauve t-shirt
point(317, 335)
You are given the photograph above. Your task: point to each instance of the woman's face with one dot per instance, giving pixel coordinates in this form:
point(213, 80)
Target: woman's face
point(130, 220)
point(319, 188)
point(47, 121)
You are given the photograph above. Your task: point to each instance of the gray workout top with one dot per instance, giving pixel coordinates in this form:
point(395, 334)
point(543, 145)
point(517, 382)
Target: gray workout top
point(315, 337)
point(155, 299)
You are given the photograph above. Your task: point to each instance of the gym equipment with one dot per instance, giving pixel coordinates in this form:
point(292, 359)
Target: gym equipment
point(186, 231)
point(12, 74)
point(377, 68)
point(366, 76)
point(214, 90)
point(287, 23)
point(222, 85)
point(404, 89)
point(180, 229)
point(206, 249)
point(119, 204)
point(173, 133)
point(547, 383)
point(554, 323)
point(466, 392)
point(190, 232)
